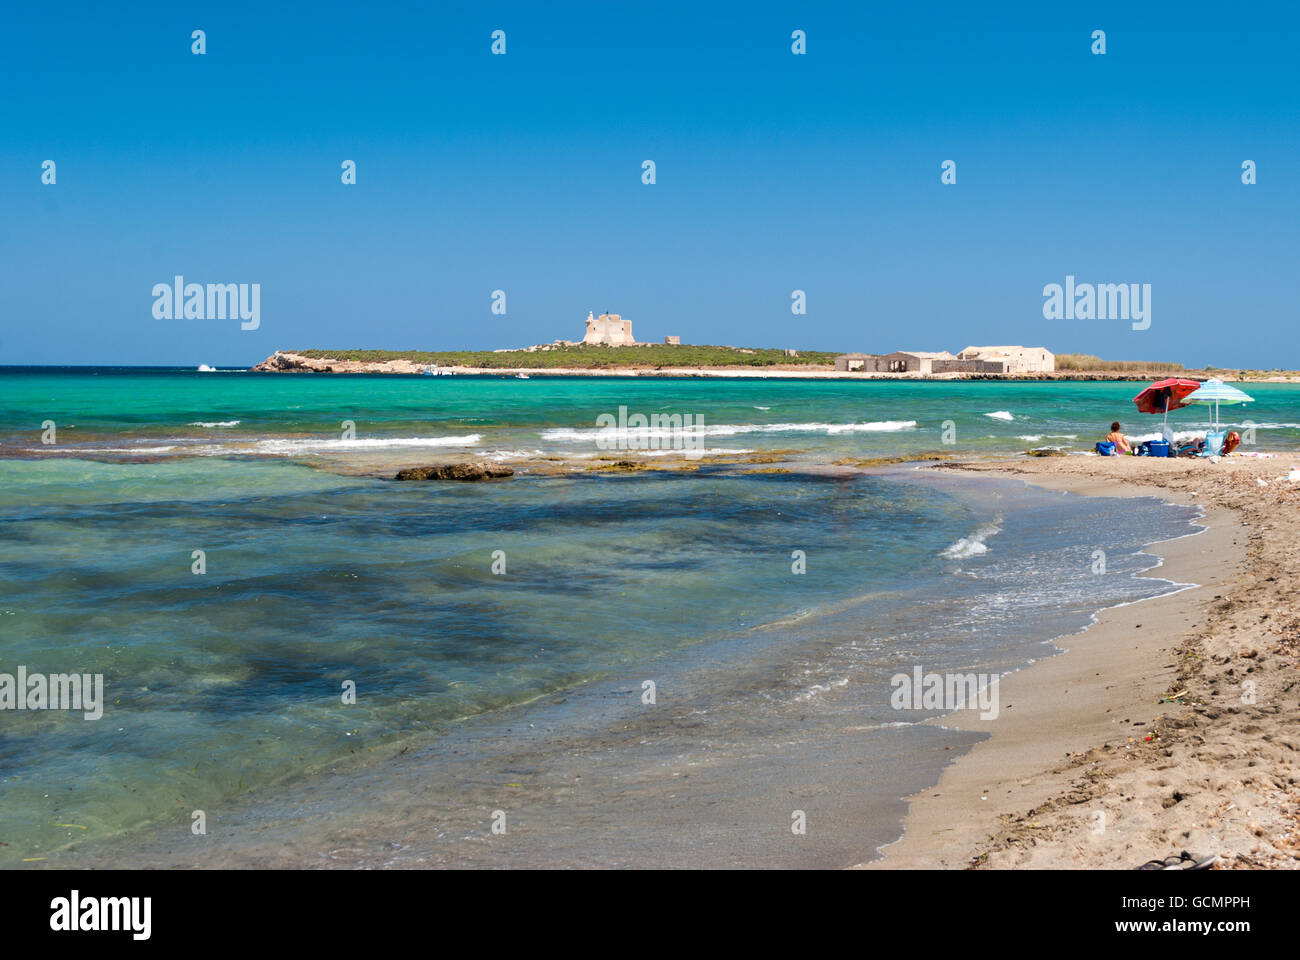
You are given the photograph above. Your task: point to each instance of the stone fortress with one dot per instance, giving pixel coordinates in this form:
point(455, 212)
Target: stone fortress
point(608, 330)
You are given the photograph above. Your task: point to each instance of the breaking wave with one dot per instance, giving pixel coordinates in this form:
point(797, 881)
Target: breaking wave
point(308, 445)
point(571, 435)
point(1179, 435)
point(973, 545)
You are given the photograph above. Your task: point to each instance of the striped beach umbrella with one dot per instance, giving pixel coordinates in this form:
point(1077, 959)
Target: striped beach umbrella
point(1215, 391)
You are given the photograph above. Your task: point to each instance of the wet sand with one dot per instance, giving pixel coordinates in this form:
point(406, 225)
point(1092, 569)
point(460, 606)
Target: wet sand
point(1087, 767)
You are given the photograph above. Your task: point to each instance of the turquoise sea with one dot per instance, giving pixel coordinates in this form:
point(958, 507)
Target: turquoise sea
point(124, 412)
point(498, 636)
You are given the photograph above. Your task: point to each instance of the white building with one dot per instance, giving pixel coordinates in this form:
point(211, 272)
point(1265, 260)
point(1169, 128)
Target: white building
point(1014, 359)
point(609, 330)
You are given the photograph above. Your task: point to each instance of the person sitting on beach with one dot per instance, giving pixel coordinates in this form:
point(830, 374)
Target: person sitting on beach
point(1122, 444)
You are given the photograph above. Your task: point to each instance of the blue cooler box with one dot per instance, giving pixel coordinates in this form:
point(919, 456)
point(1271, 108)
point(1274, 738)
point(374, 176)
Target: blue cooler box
point(1159, 448)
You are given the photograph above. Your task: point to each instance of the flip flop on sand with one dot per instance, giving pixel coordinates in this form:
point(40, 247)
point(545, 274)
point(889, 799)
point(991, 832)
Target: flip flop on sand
point(1183, 861)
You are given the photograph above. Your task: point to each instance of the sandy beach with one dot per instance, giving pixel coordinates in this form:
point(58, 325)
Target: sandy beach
point(1136, 743)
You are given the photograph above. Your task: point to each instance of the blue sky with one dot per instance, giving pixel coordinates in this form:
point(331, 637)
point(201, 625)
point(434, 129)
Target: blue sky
point(522, 172)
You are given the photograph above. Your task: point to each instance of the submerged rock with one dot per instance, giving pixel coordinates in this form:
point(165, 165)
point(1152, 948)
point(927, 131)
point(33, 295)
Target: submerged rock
point(1045, 452)
point(476, 470)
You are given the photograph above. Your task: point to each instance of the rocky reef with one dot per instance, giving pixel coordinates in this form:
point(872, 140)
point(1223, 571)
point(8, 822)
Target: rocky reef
point(471, 471)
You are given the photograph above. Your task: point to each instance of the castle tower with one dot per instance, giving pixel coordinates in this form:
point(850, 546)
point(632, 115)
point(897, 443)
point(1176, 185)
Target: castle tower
point(609, 329)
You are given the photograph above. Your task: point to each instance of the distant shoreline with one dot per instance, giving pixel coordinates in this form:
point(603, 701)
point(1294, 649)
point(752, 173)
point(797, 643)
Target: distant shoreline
point(290, 362)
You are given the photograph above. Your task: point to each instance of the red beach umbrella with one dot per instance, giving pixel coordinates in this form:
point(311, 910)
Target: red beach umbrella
point(1165, 395)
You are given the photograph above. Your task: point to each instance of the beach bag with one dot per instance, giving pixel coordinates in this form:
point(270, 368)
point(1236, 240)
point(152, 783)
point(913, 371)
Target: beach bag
point(1106, 448)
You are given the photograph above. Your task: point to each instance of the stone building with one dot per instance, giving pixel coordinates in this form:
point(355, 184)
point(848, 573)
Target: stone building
point(1013, 359)
point(609, 330)
point(912, 361)
point(1007, 360)
point(855, 362)
point(900, 361)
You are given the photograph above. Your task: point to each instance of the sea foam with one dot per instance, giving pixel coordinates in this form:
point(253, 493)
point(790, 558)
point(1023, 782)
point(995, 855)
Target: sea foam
point(973, 545)
point(308, 445)
point(570, 435)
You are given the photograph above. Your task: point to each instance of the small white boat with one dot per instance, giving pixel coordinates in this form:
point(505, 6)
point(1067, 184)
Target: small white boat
point(522, 376)
point(204, 368)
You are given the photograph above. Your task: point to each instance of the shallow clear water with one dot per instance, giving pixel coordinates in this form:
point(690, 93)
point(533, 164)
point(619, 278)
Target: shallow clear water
point(226, 684)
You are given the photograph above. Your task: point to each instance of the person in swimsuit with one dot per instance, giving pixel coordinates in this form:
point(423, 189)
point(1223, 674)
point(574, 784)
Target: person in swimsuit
point(1121, 442)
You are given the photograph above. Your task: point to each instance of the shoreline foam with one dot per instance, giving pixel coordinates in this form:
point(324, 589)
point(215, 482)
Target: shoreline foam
point(1068, 778)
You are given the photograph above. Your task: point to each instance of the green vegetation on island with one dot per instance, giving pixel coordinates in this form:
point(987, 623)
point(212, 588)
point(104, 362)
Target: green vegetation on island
point(654, 356)
point(588, 357)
